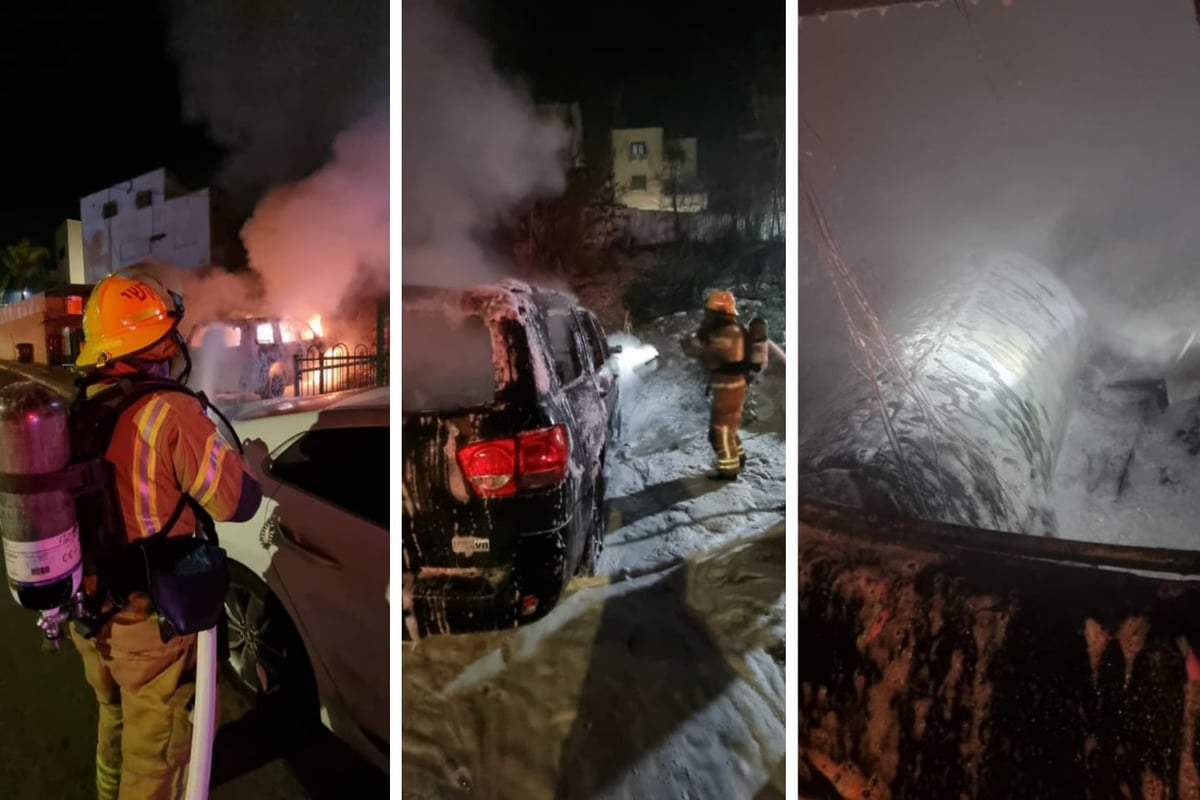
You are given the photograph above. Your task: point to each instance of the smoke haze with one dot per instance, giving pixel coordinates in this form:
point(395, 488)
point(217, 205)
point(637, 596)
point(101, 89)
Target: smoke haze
point(1065, 130)
point(297, 92)
point(276, 81)
point(473, 150)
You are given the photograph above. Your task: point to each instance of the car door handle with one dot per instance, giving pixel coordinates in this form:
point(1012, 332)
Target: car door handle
point(287, 537)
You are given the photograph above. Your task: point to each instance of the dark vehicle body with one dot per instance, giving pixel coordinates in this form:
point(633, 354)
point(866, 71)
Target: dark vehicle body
point(945, 661)
point(509, 405)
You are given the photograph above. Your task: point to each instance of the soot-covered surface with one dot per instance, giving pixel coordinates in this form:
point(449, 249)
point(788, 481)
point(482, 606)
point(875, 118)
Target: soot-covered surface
point(933, 670)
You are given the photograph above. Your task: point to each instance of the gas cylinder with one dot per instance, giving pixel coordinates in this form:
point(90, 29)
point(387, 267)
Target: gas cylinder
point(40, 531)
point(756, 345)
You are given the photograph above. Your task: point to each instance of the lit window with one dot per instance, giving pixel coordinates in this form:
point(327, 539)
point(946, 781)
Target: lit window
point(265, 333)
point(74, 304)
point(637, 150)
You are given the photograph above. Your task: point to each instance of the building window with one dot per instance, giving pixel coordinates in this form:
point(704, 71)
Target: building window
point(638, 183)
point(143, 198)
point(637, 150)
point(109, 209)
point(74, 304)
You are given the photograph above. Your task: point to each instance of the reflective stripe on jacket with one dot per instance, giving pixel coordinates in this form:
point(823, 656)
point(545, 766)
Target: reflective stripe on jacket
point(164, 445)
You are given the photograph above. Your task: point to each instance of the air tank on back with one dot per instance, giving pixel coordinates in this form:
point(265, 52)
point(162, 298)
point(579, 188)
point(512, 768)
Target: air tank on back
point(42, 556)
point(995, 342)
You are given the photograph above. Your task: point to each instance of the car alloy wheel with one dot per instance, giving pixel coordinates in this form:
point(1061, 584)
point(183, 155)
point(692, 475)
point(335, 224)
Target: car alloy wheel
point(258, 661)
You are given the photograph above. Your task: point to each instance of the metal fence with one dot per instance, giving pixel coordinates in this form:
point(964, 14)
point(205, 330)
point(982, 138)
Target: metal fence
point(338, 369)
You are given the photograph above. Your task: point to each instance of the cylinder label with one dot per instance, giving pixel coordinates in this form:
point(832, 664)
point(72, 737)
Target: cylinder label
point(44, 560)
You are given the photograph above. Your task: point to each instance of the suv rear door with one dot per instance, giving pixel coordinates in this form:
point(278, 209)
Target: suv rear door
point(330, 491)
point(467, 381)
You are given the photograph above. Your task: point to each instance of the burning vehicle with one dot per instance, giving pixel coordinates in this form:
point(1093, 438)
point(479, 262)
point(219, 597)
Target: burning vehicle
point(509, 403)
point(252, 355)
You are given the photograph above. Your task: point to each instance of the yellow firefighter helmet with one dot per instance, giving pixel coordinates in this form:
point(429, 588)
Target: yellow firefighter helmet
point(722, 301)
point(125, 315)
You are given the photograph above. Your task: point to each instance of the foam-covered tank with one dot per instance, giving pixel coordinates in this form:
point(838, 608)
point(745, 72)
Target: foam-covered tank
point(995, 341)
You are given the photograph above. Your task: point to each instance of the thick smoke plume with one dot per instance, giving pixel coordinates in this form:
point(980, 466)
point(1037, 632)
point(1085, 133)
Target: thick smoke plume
point(1065, 130)
point(297, 92)
point(322, 237)
point(275, 81)
point(474, 149)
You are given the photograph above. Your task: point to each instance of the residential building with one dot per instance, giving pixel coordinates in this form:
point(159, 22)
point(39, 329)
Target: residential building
point(68, 253)
point(50, 325)
point(654, 173)
point(153, 217)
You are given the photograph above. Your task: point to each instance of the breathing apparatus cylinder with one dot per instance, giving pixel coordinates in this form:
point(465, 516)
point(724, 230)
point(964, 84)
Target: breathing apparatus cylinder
point(39, 529)
point(756, 345)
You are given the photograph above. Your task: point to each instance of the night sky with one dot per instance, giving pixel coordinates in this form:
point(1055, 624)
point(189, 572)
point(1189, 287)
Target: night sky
point(683, 65)
point(90, 98)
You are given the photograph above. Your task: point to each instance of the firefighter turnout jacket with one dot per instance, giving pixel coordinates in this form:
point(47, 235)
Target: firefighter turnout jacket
point(720, 345)
point(163, 445)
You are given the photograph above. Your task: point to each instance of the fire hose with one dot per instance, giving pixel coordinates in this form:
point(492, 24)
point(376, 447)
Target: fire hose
point(204, 716)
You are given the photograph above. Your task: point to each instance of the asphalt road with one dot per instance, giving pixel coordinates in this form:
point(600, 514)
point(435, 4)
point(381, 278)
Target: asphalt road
point(48, 735)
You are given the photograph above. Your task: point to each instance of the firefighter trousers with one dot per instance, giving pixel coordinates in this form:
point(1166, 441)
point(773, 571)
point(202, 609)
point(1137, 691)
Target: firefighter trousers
point(728, 396)
point(145, 689)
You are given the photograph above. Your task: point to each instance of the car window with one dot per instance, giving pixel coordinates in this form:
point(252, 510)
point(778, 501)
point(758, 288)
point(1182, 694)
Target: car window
point(595, 338)
point(264, 333)
point(208, 337)
point(564, 346)
point(289, 331)
point(343, 466)
point(458, 372)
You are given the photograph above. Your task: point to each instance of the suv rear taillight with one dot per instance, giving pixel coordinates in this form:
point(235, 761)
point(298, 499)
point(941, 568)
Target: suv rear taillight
point(532, 461)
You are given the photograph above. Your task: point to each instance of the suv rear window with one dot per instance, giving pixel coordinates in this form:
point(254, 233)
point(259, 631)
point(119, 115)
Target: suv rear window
point(446, 362)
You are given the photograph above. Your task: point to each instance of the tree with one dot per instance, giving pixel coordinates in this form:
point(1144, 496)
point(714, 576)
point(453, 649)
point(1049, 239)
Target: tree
point(673, 179)
point(24, 265)
point(570, 234)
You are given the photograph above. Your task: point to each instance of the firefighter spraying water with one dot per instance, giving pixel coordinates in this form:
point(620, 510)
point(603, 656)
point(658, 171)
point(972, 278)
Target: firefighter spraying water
point(734, 356)
point(106, 513)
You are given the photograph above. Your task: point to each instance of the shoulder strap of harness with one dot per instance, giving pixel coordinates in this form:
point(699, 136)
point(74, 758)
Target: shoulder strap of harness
point(98, 416)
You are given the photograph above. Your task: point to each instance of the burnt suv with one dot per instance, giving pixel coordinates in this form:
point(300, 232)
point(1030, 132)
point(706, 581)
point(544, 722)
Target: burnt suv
point(253, 355)
point(509, 398)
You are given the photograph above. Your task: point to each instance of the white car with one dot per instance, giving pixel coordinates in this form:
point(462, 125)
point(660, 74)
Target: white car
point(308, 603)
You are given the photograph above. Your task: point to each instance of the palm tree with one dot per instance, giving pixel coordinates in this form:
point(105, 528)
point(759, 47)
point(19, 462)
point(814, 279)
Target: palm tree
point(23, 264)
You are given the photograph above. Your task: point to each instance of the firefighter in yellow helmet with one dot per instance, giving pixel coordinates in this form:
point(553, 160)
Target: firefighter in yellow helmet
point(172, 474)
point(720, 345)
